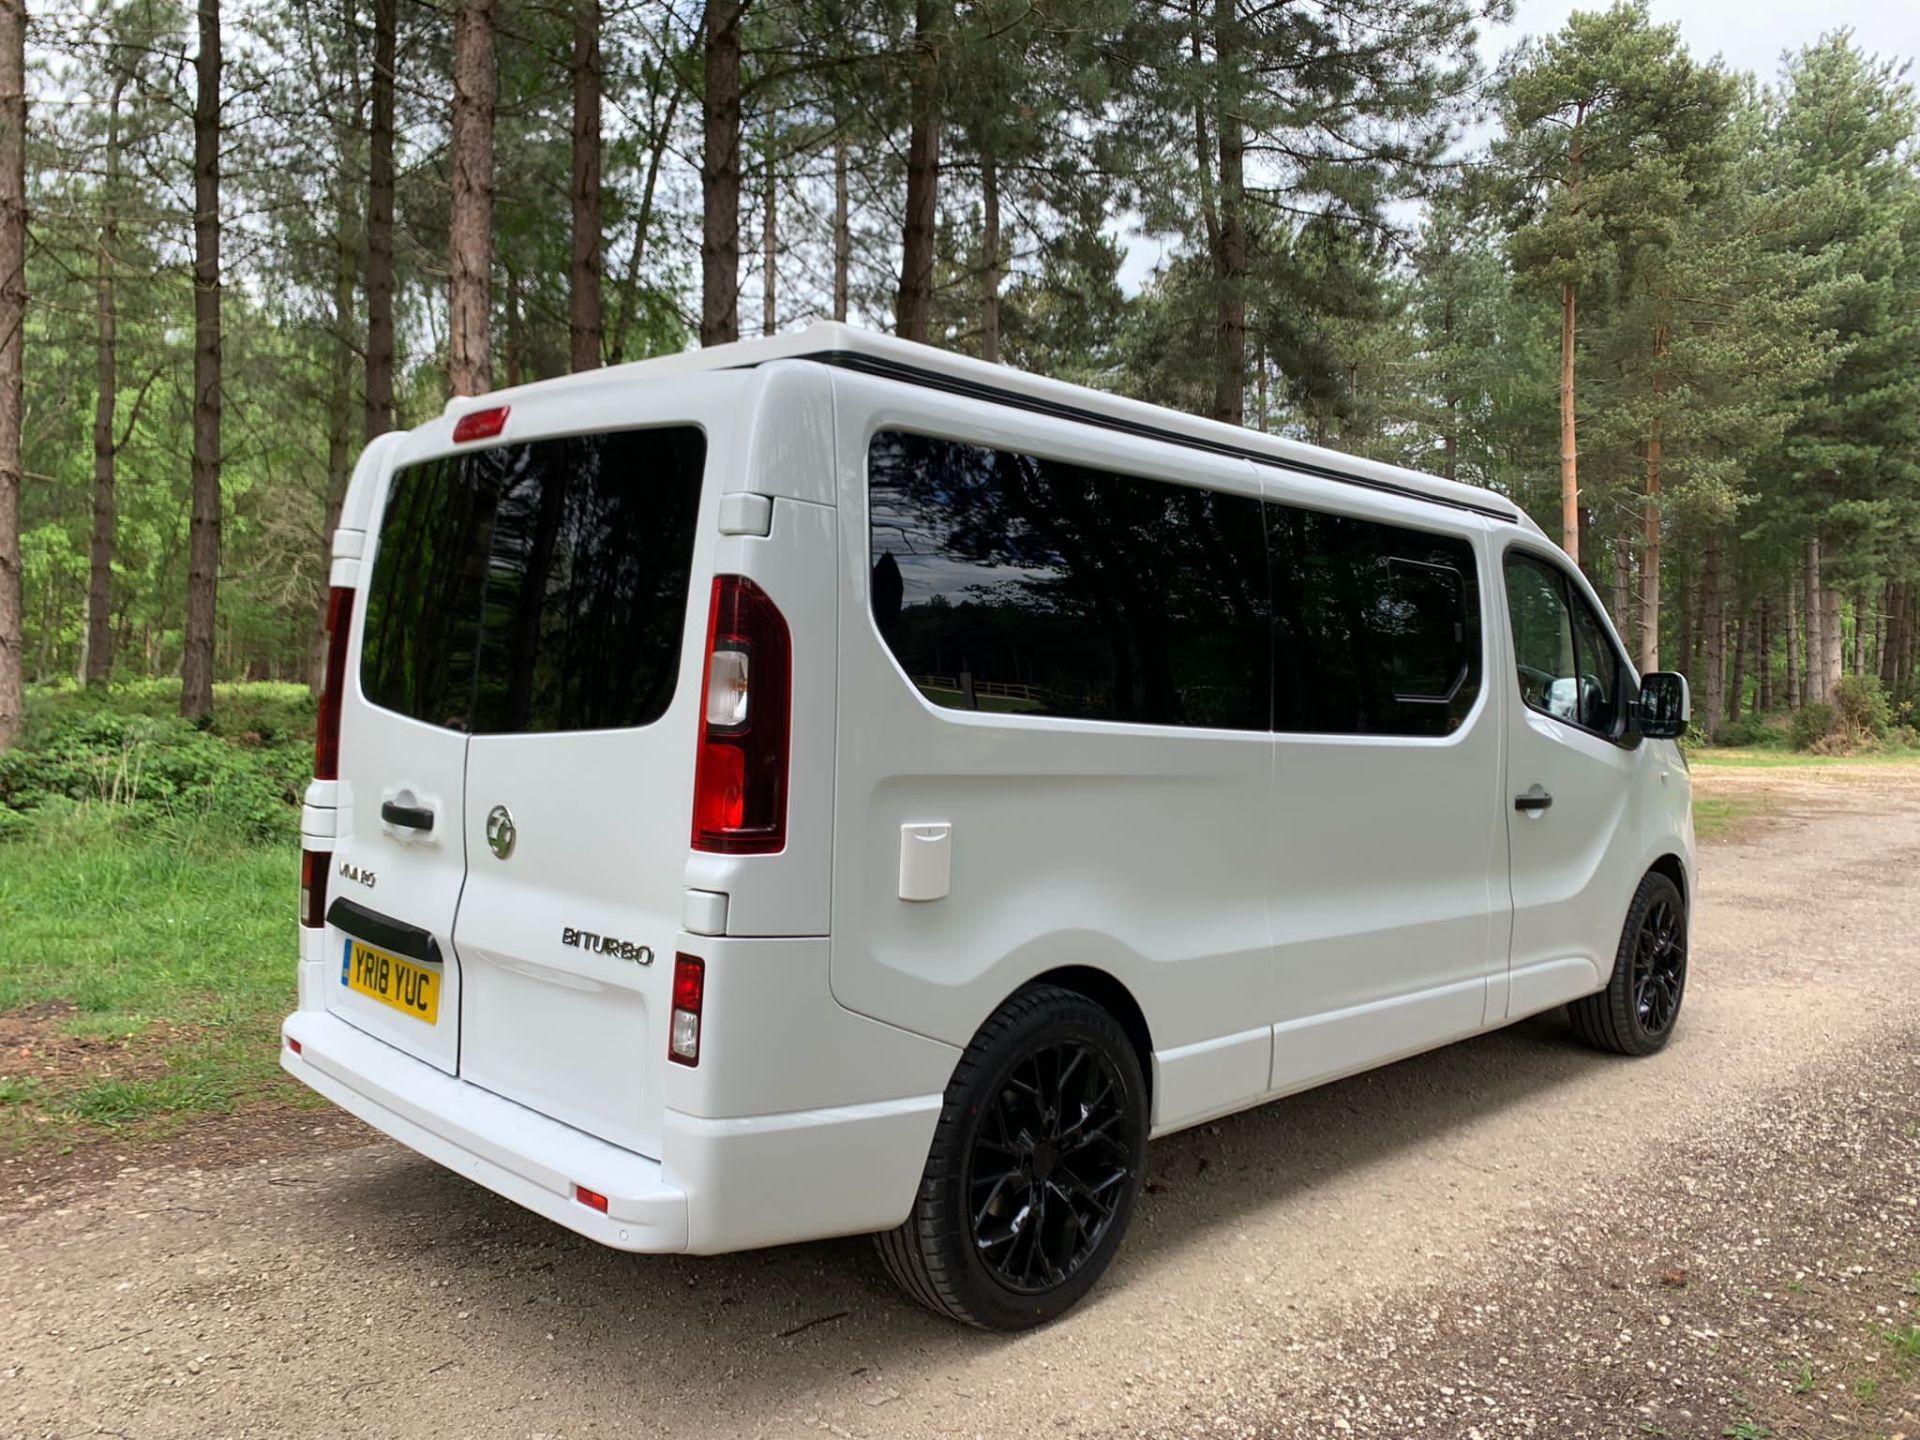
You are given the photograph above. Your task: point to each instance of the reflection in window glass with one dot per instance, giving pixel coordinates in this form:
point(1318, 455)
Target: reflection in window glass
point(1599, 669)
point(1008, 583)
point(535, 587)
point(1376, 627)
point(1568, 668)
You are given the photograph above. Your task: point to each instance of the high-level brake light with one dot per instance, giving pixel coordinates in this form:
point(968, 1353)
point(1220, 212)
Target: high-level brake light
point(480, 424)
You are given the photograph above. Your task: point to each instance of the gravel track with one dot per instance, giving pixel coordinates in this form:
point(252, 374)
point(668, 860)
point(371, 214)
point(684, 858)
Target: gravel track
point(1478, 1242)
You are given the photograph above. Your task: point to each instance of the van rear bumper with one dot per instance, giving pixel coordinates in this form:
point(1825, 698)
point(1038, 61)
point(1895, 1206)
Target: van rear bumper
point(514, 1152)
point(727, 1184)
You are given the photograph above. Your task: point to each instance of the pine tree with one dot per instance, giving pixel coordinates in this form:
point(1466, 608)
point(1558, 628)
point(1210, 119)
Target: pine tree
point(1606, 126)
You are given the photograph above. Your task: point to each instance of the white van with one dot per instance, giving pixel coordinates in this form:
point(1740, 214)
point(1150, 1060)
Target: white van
point(822, 785)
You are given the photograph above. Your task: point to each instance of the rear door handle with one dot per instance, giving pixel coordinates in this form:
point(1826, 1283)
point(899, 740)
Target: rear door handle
point(410, 817)
point(1535, 799)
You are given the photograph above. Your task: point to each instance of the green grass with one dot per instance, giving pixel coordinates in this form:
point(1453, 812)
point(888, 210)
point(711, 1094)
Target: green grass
point(152, 965)
point(1732, 759)
point(1717, 817)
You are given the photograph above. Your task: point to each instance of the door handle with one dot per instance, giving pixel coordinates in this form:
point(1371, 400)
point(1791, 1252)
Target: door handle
point(410, 817)
point(1535, 799)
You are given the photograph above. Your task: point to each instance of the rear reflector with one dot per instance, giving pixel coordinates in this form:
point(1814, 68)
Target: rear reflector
point(689, 995)
point(480, 424)
point(293, 1045)
point(313, 888)
point(592, 1199)
point(740, 778)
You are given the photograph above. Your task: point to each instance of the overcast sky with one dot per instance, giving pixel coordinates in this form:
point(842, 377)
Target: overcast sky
point(1749, 35)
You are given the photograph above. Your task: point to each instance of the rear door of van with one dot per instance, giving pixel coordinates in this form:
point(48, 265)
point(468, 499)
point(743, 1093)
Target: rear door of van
point(579, 775)
point(519, 742)
point(399, 858)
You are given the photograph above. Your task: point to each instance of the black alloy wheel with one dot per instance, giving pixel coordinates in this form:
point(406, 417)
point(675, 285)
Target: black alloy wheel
point(1049, 1163)
point(1637, 1012)
point(1659, 967)
point(1036, 1164)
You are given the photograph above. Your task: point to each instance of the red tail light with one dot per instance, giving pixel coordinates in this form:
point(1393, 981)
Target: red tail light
point(740, 778)
point(313, 887)
point(689, 995)
point(326, 734)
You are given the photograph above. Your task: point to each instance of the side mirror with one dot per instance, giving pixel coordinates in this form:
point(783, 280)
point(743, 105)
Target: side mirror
point(1665, 705)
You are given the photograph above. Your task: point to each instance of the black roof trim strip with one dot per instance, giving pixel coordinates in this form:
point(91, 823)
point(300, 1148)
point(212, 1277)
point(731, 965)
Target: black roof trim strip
point(975, 390)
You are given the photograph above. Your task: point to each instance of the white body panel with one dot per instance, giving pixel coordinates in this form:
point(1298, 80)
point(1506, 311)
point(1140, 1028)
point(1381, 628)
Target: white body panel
point(1276, 909)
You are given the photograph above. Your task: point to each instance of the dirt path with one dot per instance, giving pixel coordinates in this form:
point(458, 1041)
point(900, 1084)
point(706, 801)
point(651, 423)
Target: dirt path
point(1482, 1241)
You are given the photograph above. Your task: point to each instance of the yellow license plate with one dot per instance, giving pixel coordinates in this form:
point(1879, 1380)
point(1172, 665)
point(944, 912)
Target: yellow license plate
point(409, 988)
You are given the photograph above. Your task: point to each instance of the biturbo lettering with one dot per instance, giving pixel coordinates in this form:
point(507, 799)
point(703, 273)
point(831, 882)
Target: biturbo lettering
point(608, 945)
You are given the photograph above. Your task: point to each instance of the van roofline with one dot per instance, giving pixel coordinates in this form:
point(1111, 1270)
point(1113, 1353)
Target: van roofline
point(846, 347)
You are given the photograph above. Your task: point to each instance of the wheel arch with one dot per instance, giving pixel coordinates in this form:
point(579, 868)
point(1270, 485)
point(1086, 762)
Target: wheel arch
point(1675, 869)
point(1111, 995)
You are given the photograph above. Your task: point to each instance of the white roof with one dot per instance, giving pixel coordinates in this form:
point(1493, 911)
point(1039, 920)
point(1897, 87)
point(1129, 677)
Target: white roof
point(864, 350)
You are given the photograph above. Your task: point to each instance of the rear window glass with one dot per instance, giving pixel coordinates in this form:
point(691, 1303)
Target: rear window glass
point(535, 587)
point(1006, 582)
point(1376, 627)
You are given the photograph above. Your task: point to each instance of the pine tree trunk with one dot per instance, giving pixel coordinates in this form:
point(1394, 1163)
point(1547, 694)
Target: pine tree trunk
point(1569, 444)
point(990, 260)
point(1623, 616)
point(1815, 687)
point(642, 225)
point(1650, 556)
point(770, 240)
point(1794, 689)
point(1714, 622)
point(1892, 635)
point(583, 313)
point(475, 76)
point(1860, 632)
point(913, 310)
point(13, 322)
point(842, 229)
point(1230, 251)
point(380, 223)
point(1741, 644)
point(1763, 656)
point(1684, 656)
point(1830, 642)
point(720, 175)
point(513, 352)
point(1882, 623)
point(99, 637)
point(1910, 634)
point(203, 548)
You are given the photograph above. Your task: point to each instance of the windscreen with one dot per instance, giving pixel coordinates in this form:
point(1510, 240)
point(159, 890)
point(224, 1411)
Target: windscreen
point(535, 587)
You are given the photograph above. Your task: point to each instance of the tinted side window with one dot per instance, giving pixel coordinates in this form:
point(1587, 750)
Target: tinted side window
point(1010, 583)
point(1598, 667)
point(535, 587)
point(1567, 669)
point(1376, 628)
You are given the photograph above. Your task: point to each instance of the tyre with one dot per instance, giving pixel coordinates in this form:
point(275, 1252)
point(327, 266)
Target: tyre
point(1636, 1013)
point(1035, 1167)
